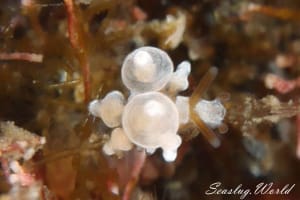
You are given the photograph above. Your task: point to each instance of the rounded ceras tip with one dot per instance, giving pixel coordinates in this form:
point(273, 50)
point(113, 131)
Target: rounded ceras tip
point(146, 69)
point(151, 120)
point(109, 109)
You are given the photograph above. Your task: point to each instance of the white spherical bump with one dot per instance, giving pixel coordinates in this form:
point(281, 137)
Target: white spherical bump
point(179, 80)
point(119, 141)
point(184, 67)
point(94, 107)
point(211, 112)
point(107, 149)
point(169, 156)
point(147, 117)
point(170, 141)
point(170, 144)
point(109, 109)
point(146, 69)
point(183, 107)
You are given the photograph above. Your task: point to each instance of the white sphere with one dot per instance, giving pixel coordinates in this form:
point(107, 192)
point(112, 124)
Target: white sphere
point(146, 69)
point(149, 118)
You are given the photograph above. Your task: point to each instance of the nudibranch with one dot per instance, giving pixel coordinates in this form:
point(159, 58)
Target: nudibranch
point(151, 116)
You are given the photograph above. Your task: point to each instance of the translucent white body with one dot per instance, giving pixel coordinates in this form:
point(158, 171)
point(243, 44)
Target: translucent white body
point(150, 118)
point(109, 109)
point(118, 142)
point(146, 69)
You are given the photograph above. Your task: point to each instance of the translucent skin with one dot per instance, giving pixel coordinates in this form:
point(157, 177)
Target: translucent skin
point(179, 80)
point(211, 112)
point(109, 109)
point(149, 119)
point(146, 69)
